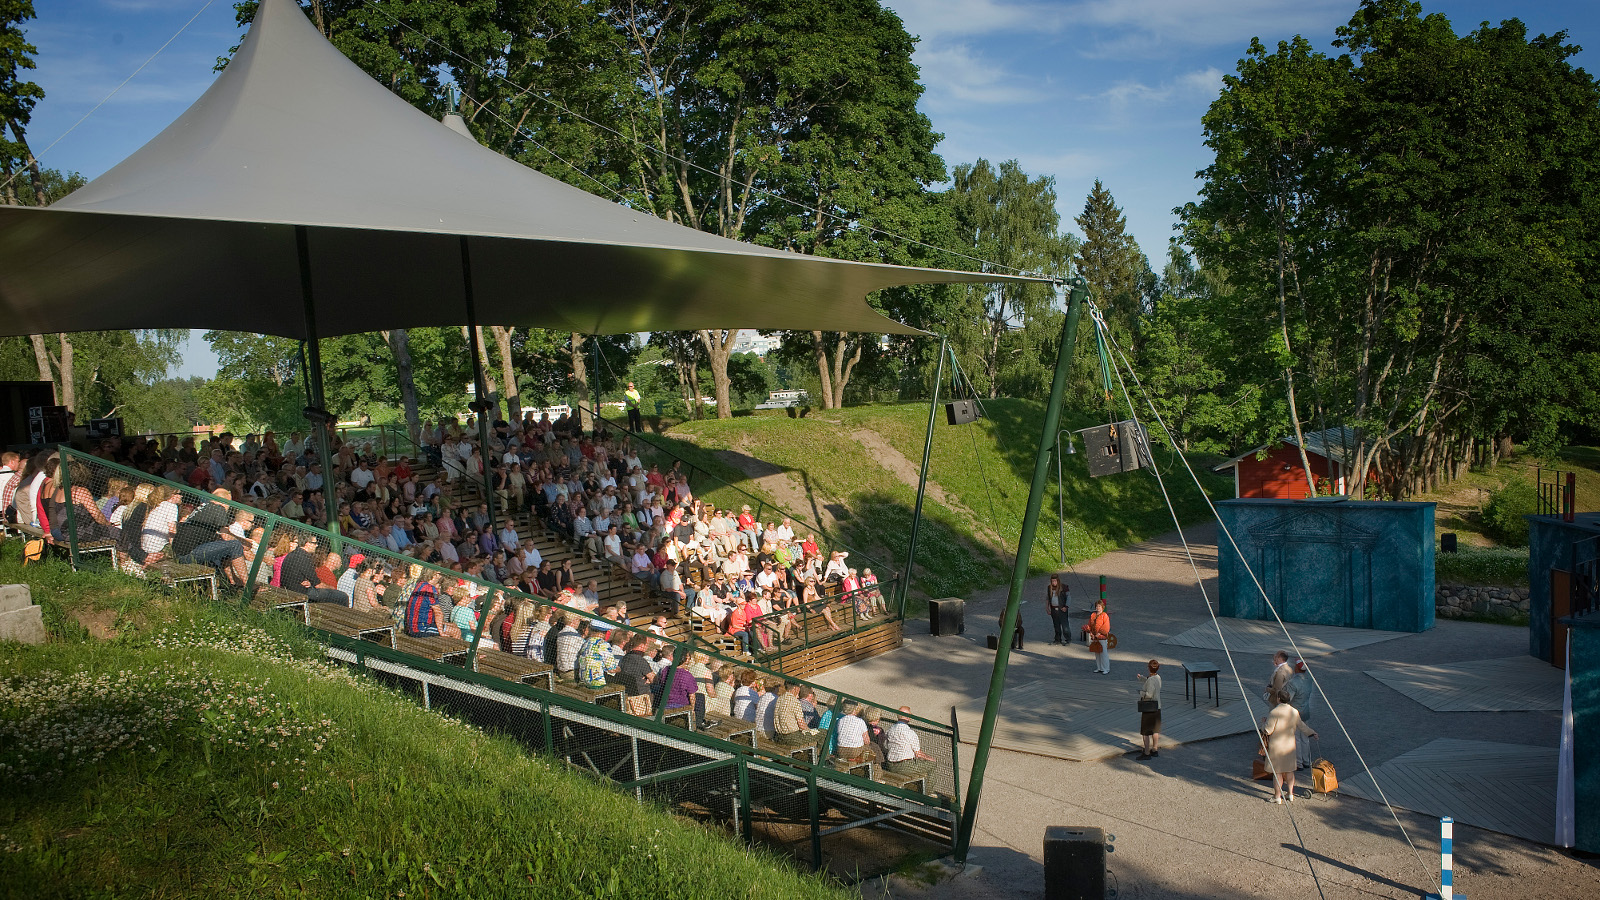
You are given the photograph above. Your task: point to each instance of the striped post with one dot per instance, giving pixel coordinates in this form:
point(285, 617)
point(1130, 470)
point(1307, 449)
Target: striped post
point(1103, 590)
point(1447, 830)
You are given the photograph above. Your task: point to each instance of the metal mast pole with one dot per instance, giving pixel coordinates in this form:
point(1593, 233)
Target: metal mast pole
point(317, 411)
point(1019, 571)
point(922, 478)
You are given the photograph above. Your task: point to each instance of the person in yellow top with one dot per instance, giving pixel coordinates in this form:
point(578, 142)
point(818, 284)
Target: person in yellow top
point(632, 398)
point(1100, 638)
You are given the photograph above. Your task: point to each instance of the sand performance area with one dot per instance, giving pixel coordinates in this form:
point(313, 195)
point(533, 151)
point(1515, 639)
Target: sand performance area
point(1455, 721)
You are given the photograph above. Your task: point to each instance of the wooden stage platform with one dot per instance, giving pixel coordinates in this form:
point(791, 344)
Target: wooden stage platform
point(1509, 788)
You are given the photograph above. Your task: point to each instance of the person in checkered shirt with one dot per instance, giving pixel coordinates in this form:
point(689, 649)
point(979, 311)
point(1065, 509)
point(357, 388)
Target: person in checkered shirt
point(902, 751)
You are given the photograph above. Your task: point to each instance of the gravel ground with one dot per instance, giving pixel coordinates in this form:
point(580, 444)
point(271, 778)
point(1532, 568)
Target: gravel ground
point(1190, 823)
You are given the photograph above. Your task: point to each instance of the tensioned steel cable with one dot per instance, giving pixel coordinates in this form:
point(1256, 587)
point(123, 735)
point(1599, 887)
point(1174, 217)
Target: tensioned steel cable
point(114, 90)
point(1100, 326)
point(1262, 590)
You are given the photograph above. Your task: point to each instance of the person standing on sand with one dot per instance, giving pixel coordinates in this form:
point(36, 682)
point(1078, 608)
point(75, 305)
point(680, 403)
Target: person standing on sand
point(1281, 726)
point(1056, 597)
point(1150, 720)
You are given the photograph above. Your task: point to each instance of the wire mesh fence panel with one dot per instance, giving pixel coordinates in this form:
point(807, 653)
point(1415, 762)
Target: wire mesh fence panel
point(652, 700)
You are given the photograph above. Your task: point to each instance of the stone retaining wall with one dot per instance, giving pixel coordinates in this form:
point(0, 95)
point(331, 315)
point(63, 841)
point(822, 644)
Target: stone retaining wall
point(1454, 601)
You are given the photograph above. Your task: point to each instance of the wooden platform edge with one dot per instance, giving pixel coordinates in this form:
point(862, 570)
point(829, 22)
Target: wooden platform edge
point(812, 661)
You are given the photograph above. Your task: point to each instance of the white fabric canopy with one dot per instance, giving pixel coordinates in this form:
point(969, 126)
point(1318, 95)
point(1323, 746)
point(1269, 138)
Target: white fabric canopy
point(197, 228)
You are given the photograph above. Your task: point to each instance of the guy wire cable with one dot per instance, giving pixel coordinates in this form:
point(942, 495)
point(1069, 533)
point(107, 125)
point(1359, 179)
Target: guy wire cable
point(1099, 321)
point(1270, 606)
point(181, 29)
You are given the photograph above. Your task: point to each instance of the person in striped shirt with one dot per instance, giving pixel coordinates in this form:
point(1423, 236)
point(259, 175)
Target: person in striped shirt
point(902, 749)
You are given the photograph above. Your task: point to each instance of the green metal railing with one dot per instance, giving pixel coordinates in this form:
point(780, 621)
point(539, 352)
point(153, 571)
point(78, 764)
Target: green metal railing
point(253, 570)
point(767, 632)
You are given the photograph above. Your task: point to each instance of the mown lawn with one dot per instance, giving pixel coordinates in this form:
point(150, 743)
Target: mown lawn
point(203, 752)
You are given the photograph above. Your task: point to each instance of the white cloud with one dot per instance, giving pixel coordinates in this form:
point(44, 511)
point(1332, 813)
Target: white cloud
point(953, 73)
point(1145, 27)
point(1200, 84)
point(931, 19)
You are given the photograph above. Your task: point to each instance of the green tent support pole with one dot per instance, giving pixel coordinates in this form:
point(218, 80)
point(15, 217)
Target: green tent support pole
point(255, 564)
point(480, 387)
point(317, 410)
point(1019, 571)
point(922, 479)
point(65, 467)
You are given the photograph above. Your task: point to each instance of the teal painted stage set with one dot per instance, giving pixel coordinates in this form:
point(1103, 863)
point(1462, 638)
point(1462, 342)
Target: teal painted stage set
point(1355, 563)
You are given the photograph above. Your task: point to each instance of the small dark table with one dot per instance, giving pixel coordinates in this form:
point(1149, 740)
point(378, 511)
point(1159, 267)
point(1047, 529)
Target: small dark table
point(1197, 671)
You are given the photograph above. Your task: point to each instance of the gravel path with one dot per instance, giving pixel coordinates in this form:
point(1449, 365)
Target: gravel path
point(1191, 824)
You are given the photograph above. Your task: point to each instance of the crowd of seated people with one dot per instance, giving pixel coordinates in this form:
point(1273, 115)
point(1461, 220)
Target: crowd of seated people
point(745, 578)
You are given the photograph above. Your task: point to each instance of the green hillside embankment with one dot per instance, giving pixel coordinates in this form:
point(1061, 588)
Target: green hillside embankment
point(856, 469)
point(163, 747)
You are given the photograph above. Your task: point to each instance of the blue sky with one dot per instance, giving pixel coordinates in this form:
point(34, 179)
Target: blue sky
point(1077, 89)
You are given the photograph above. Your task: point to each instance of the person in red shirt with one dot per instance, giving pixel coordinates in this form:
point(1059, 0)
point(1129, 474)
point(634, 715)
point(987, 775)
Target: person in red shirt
point(808, 547)
point(747, 528)
point(739, 619)
point(402, 469)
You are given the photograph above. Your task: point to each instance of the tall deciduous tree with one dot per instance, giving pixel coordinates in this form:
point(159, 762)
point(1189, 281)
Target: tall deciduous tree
point(1009, 220)
point(1407, 232)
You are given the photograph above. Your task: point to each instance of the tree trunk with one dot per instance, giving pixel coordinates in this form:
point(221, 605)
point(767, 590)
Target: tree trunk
point(400, 345)
point(69, 390)
point(1288, 368)
point(489, 388)
point(719, 347)
point(41, 356)
point(508, 374)
point(842, 368)
point(580, 382)
point(820, 353)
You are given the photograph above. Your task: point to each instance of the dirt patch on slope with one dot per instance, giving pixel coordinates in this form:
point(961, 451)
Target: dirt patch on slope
point(787, 490)
point(907, 471)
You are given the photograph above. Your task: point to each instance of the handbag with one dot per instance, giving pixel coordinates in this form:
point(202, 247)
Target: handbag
point(1149, 706)
point(639, 705)
point(1259, 770)
point(1324, 780)
point(1095, 646)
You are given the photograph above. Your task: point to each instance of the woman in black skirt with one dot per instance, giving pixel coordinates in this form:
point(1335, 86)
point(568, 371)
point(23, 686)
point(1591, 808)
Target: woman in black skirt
point(1150, 719)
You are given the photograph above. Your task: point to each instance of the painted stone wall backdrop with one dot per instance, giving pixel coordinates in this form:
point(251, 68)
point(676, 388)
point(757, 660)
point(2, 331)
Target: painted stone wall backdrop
point(1361, 564)
point(1455, 601)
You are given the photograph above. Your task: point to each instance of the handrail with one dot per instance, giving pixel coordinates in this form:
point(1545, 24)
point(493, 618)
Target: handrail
point(616, 718)
point(773, 621)
point(276, 521)
point(810, 523)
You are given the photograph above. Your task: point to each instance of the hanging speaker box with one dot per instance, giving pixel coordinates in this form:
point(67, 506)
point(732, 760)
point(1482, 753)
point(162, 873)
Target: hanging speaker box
point(961, 412)
point(1118, 447)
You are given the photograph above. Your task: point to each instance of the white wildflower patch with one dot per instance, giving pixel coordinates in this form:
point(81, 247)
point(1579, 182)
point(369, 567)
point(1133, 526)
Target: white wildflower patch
point(53, 723)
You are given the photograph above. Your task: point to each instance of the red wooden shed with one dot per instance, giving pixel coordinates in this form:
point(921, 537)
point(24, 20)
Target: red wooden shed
point(1272, 471)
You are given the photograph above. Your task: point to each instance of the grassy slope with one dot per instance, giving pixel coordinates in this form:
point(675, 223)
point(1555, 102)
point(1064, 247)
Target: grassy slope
point(1481, 560)
point(958, 548)
point(270, 773)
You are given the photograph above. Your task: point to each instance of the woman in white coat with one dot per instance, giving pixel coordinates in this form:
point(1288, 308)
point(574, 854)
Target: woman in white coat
point(1281, 727)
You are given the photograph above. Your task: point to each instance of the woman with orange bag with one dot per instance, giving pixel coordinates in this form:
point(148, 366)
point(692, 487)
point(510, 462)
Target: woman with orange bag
point(1100, 637)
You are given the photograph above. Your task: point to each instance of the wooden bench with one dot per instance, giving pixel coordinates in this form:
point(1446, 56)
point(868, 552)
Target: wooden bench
point(176, 573)
point(268, 598)
point(610, 695)
point(806, 754)
point(918, 783)
point(516, 668)
point(89, 547)
point(438, 649)
point(368, 626)
point(737, 731)
point(686, 713)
